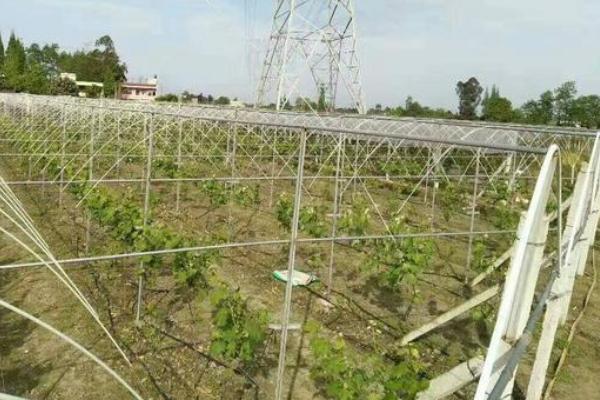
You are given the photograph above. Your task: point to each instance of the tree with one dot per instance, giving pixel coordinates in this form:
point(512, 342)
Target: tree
point(46, 57)
point(2, 80)
point(114, 70)
point(499, 109)
point(93, 92)
point(35, 79)
point(540, 111)
point(322, 102)
point(546, 107)
point(1, 54)
point(168, 98)
point(518, 115)
point(222, 101)
point(412, 108)
point(469, 94)
point(110, 84)
point(102, 64)
point(531, 112)
point(36, 68)
point(495, 107)
point(106, 42)
point(14, 63)
point(487, 96)
point(64, 87)
point(186, 96)
point(564, 97)
point(586, 111)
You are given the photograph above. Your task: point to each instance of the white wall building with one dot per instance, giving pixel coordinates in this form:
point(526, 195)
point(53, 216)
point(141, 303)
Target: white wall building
point(139, 91)
point(83, 85)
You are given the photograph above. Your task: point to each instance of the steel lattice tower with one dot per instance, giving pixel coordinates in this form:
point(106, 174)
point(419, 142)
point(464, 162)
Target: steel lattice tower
point(312, 41)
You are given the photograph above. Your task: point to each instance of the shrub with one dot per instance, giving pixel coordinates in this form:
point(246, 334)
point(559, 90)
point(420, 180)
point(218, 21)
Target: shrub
point(398, 261)
point(346, 375)
point(238, 332)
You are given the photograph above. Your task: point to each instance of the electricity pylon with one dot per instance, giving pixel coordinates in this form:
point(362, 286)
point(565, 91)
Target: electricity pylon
point(312, 42)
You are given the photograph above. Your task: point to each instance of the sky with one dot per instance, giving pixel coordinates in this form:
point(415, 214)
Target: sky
point(407, 47)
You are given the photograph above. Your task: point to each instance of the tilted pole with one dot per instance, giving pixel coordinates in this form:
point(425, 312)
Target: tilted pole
point(336, 209)
point(149, 129)
point(287, 305)
point(578, 237)
point(519, 288)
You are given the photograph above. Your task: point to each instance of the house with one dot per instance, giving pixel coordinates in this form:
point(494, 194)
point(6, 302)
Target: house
point(84, 87)
point(139, 91)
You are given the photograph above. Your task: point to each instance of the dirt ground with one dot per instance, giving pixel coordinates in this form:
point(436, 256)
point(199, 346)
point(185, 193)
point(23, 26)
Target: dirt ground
point(579, 378)
point(33, 362)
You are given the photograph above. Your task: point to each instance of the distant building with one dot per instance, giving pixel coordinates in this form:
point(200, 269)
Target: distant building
point(237, 104)
point(83, 86)
point(69, 76)
point(139, 91)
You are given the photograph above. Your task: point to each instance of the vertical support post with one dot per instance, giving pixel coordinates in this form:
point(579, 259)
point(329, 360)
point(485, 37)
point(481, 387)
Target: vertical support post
point(228, 151)
point(118, 146)
point(355, 167)
point(437, 157)
point(336, 211)
point(511, 169)
point(287, 305)
point(320, 146)
point(472, 222)
point(44, 150)
point(149, 133)
point(63, 145)
point(233, 148)
point(388, 158)
point(230, 185)
point(508, 166)
point(88, 217)
point(274, 153)
point(178, 187)
point(428, 176)
point(30, 119)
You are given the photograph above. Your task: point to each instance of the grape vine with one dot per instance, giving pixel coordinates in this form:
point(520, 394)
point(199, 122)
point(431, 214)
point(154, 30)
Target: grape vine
point(344, 374)
point(398, 261)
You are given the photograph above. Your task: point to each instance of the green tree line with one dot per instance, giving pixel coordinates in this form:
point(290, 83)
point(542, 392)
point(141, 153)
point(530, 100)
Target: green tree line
point(561, 107)
point(36, 68)
point(187, 97)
